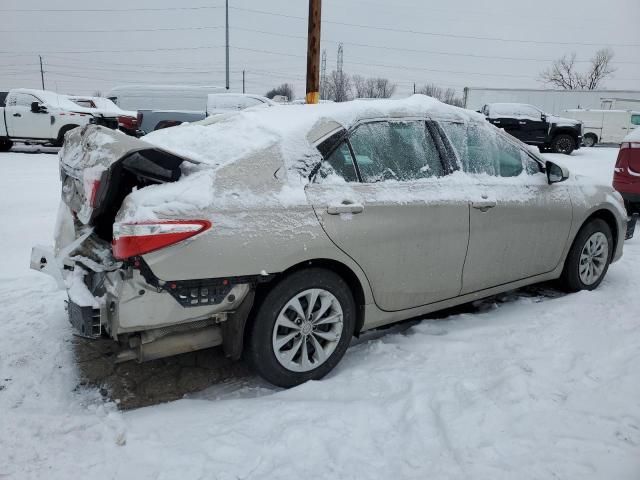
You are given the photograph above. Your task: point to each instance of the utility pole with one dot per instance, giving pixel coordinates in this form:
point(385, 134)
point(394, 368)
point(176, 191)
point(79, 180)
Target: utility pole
point(41, 72)
point(323, 75)
point(227, 39)
point(313, 51)
point(414, 88)
point(243, 81)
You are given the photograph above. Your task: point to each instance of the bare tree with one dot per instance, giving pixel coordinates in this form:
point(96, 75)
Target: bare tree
point(285, 90)
point(339, 86)
point(97, 93)
point(564, 74)
point(599, 70)
point(445, 95)
point(377, 87)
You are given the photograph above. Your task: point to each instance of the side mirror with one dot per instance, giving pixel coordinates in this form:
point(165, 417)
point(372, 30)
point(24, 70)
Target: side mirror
point(543, 117)
point(556, 173)
point(37, 108)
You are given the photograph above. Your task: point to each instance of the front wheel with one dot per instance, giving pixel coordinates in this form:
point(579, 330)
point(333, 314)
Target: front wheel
point(302, 328)
point(589, 257)
point(563, 143)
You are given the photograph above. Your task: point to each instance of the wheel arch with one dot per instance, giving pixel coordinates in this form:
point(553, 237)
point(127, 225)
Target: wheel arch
point(610, 219)
point(62, 132)
point(565, 131)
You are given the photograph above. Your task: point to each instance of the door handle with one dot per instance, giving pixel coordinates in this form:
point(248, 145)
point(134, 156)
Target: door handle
point(484, 205)
point(522, 123)
point(345, 207)
point(17, 115)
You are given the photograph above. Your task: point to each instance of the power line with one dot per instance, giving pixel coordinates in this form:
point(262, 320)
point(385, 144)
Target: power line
point(416, 50)
point(109, 10)
point(447, 35)
point(117, 30)
point(10, 54)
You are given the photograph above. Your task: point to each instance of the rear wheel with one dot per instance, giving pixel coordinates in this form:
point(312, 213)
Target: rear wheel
point(589, 140)
point(5, 145)
point(302, 328)
point(563, 143)
point(589, 257)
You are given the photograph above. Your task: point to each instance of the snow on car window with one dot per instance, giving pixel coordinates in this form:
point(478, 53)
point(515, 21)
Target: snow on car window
point(338, 164)
point(395, 151)
point(482, 150)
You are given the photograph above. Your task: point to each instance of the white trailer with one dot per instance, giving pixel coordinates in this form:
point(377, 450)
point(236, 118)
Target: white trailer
point(162, 97)
point(604, 126)
point(553, 101)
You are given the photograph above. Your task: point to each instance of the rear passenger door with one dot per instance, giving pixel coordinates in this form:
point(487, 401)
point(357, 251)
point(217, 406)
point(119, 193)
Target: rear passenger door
point(382, 198)
point(519, 224)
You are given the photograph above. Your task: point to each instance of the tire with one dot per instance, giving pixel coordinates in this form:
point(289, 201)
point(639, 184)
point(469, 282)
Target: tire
point(274, 320)
point(571, 279)
point(563, 143)
point(589, 140)
point(60, 140)
point(5, 145)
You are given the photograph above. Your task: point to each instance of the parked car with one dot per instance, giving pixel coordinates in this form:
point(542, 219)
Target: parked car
point(151, 120)
point(280, 233)
point(43, 117)
point(626, 175)
point(107, 113)
point(532, 126)
point(604, 126)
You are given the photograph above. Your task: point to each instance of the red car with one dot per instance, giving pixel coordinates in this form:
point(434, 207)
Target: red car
point(626, 176)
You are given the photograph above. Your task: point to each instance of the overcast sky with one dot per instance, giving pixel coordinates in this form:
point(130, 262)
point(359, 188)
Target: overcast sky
point(89, 45)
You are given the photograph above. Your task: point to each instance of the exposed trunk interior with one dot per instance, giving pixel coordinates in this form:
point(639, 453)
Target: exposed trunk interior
point(139, 169)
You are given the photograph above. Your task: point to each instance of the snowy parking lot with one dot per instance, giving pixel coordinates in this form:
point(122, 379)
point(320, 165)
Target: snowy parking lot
point(533, 384)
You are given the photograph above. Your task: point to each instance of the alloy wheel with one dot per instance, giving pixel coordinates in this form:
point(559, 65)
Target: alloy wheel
point(307, 330)
point(593, 258)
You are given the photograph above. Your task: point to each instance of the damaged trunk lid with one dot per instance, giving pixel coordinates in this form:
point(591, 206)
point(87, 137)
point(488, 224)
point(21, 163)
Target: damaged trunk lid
point(99, 167)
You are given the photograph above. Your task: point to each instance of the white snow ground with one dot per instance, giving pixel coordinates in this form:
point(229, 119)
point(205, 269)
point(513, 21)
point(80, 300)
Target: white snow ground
point(529, 388)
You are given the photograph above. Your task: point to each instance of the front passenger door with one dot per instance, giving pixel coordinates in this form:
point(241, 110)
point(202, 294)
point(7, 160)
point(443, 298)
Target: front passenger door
point(22, 122)
point(386, 203)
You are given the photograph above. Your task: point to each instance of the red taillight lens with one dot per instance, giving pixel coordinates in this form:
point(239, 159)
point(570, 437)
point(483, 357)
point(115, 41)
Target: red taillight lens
point(131, 239)
point(626, 145)
point(127, 122)
point(93, 195)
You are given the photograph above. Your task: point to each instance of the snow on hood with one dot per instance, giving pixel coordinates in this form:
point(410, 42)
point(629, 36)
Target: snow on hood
point(562, 121)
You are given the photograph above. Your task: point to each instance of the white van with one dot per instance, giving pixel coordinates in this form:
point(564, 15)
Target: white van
point(605, 126)
point(162, 97)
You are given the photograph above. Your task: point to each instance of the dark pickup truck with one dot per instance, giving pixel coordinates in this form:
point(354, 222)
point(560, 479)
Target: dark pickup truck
point(532, 126)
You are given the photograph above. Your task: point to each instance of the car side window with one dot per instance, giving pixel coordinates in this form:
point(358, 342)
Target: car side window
point(395, 151)
point(24, 100)
point(635, 119)
point(481, 150)
point(509, 158)
point(340, 163)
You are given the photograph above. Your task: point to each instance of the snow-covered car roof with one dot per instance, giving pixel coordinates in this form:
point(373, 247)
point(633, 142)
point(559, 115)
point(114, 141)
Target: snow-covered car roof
point(294, 128)
point(102, 105)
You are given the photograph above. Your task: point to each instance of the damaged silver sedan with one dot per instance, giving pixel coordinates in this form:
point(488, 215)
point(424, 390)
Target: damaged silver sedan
point(280, 234)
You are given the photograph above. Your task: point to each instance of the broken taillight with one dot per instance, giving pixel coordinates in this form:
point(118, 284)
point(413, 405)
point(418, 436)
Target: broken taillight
point(131, 239)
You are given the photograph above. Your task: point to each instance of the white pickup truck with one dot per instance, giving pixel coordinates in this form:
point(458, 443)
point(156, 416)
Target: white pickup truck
point(42, 117)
